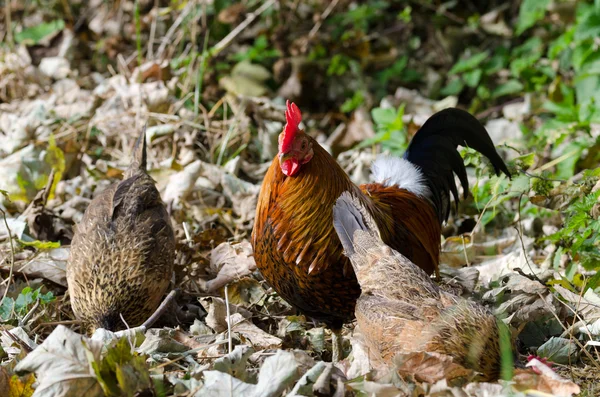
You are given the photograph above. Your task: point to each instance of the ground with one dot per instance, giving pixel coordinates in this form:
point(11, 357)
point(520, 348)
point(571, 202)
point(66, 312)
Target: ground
point(79, 80)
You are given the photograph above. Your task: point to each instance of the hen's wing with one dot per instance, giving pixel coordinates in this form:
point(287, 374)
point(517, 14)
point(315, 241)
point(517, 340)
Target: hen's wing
point(407, 224)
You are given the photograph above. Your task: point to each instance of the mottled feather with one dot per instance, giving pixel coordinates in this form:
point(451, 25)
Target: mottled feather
point(123, 251)
point(401, 310)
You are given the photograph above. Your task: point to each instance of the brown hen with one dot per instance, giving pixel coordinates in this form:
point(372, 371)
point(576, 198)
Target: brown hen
point(401, 309)
point(122, 253)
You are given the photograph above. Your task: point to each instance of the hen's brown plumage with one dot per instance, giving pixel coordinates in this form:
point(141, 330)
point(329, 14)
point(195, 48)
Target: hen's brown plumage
point(123, 251)
point(401, 310)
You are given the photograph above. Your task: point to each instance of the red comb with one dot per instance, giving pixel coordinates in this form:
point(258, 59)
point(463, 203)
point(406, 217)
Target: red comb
point(293, 118)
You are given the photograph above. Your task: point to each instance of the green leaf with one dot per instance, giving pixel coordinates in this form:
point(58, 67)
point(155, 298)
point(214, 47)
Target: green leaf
point(470, 63)
point(589, 25)
point(122, 372)
point(6, 308)
point(558, 350)
point(352, 103)
point(520, 184)
point(35, 34)
point(530, 12)
point(508, 88)
point(473, 77)
point(454, 87)
point(40, 245)
point(572, 152)
point(526, 160)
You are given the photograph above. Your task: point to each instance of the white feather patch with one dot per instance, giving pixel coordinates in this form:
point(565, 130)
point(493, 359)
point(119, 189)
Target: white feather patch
point(390, 171)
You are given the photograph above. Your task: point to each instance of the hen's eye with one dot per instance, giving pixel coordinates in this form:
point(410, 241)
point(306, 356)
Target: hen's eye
point(303, 145)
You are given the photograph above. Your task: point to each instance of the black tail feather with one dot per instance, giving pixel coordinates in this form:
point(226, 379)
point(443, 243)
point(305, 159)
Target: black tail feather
point(433, 150)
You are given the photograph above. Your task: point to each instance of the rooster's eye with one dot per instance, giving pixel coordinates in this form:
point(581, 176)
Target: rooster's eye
point(303, 145)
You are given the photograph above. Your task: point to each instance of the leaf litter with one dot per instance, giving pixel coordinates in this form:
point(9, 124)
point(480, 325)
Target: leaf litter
point(78, 116)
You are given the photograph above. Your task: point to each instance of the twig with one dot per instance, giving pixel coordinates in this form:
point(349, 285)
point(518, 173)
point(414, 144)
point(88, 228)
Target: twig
point(229, 342)
point(188, 352)
point(48, 187)
point(24, 320)
point(323, 17)
point(161, 309)
point(12, 255)
point(19, 341)
point(152, 319)
point(232, 35)
point(556, 161)
point(173, 29)
point(543, 178)
point(188, 236)
point(9, 37)
point(519, 230)
point(150, 50)
point(587, 353)
point(487, 112)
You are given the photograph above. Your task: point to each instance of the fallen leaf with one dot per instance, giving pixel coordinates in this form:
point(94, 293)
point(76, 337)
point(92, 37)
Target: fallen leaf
point(62, 365)
point(429, 367)
point(234, 363)
point(246, 79)
point(276, 374)
point(50, 265)
point(253, 335)
point(559, 350)
point(547, 383)
point(182, 183)
point(246, 292)
point(230, 262)
point(161, 341)
point(587, 305)
point(217, 313)
point(18, 387)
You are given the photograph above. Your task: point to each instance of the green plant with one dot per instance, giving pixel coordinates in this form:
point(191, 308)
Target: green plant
point(390, 130)
point(259, 52)
point(17, 308)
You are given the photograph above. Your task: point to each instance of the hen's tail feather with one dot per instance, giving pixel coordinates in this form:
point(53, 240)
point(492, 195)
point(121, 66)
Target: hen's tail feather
point(350, 215)
point(138, 160)
point(433, 150)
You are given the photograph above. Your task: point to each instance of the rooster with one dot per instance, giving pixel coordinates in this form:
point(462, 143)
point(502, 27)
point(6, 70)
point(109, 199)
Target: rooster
point(295, 245)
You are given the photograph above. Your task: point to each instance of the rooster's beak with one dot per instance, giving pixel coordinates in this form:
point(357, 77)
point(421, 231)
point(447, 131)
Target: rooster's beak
point(284, 156)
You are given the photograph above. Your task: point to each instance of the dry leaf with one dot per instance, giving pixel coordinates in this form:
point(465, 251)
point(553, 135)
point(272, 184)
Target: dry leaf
point(50, 265)
point(276, 374)
point(429, 367)
point(217, 313)
point(587, 305)
point(230, 262)
point(253, 335)
point(62, 365)
point(545, 382)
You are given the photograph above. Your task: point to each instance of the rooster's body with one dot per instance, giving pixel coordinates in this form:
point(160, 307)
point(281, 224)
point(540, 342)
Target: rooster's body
point(295, 244)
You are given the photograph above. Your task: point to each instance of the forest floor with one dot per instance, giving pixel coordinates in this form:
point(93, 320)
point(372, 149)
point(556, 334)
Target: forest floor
point(79, 80)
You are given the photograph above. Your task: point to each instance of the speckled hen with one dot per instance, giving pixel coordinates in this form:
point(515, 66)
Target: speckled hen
point(122, 252)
